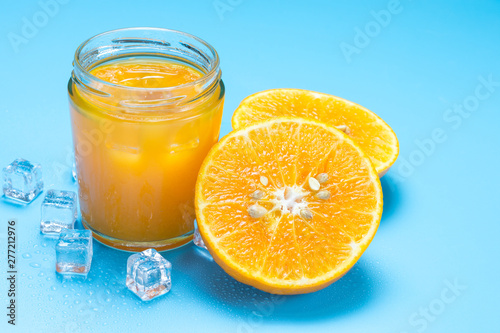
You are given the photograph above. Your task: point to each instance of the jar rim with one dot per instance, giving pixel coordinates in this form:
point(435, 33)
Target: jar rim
point(213, 71)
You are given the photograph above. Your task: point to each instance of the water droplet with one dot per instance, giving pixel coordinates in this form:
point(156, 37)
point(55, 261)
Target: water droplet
point(35, 265)
point(26, 255)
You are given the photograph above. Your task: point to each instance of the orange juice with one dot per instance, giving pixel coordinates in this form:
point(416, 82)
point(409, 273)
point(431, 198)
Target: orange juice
point(142, 126)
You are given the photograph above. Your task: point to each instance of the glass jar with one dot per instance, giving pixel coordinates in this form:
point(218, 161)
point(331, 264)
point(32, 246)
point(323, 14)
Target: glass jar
point(138, 150)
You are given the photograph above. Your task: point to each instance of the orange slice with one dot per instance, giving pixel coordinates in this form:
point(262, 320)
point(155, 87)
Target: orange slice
point(287, 205)
point(367, 129)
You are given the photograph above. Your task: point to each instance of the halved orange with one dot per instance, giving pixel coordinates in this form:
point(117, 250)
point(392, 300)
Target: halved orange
point(367, 129)
point(287, 205)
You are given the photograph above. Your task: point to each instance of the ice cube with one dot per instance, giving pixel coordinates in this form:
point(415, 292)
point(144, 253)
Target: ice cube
point(197, 240)
point(74, 252)
point(58, 212)
point(175, 148)
point(22, 181)
point(73, 172)
point(148, 274)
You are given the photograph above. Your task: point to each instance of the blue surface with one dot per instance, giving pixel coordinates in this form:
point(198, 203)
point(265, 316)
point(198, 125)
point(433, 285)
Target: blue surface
point(440, 224)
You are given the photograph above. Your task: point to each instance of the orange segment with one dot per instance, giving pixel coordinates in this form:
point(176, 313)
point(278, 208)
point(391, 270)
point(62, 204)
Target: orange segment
point(368, 130)
point(287, 205)
point(321, 252)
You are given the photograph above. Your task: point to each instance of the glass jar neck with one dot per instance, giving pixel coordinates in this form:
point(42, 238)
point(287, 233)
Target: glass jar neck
point(146, 42)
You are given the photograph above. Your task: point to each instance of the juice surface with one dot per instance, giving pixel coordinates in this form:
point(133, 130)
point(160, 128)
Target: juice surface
point(146, 74)
point(137, 177)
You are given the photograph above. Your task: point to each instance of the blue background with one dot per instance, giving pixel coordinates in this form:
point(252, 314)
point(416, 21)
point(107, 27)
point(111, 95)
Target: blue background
point(440, 224)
